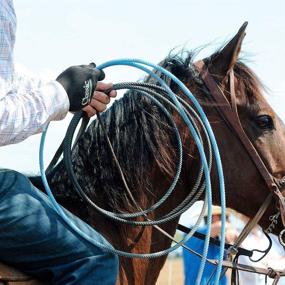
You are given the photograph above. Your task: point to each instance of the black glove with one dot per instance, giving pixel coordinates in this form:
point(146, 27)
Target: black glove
point(79, 83)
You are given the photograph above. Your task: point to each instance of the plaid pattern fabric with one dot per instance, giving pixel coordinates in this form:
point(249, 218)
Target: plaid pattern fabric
point(26, 104)
point(7, 38)
point(24, 112)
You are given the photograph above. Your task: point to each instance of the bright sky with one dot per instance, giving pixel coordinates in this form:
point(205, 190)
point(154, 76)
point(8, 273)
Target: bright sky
point(53, 35)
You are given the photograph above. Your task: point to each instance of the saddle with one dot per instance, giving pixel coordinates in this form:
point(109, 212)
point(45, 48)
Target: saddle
point(12, 276)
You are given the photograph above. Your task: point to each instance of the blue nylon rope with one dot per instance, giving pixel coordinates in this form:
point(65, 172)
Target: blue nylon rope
point(140, 64)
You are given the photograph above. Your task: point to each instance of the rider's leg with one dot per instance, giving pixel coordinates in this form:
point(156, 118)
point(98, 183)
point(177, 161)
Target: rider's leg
point(36, 240)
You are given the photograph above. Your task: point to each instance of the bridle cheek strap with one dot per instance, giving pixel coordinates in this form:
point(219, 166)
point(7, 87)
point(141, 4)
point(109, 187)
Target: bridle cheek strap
point(228, 111)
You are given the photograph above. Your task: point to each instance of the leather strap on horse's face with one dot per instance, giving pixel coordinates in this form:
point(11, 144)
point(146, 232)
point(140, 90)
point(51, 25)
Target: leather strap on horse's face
point(228, 111)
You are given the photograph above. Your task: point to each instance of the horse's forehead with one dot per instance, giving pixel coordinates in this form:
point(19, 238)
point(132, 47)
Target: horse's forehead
point(263, 104)
point(259, 99)
point(255, 99)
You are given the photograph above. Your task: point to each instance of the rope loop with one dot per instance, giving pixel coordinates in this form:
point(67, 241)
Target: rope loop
point(184, 113)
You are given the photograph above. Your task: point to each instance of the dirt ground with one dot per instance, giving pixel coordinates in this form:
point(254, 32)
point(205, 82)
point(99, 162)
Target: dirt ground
point(172, 272)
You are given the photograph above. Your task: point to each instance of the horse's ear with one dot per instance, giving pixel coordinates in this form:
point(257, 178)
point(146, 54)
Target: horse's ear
point(221, 62)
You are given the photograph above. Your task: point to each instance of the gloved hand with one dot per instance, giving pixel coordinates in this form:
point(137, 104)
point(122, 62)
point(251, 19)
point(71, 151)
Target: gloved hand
point(79, 83)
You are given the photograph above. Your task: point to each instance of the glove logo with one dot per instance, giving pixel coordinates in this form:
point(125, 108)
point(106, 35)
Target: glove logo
point(88, 93)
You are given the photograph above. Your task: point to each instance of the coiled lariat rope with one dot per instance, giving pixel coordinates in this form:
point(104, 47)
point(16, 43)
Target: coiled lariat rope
point(190, 116)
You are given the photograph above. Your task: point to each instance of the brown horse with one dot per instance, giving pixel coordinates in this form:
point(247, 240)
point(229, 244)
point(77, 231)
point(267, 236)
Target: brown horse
point(145, 146)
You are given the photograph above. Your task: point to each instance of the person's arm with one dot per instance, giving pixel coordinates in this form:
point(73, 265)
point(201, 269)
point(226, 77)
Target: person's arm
point(25, 112)
point(26, 108)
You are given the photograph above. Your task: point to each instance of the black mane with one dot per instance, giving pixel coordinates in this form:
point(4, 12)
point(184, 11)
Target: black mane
point(141, 138)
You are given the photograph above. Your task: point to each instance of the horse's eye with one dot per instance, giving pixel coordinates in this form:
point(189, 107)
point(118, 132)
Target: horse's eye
point(264, 122)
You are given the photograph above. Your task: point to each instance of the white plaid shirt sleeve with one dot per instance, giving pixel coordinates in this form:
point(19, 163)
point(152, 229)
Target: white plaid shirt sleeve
point(26, 112)
point(26, 105)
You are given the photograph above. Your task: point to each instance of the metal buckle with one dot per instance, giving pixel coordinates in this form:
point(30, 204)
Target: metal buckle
point(232, 250)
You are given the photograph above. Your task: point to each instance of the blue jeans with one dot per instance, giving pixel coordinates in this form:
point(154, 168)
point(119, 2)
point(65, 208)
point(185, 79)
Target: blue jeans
point(34, 238)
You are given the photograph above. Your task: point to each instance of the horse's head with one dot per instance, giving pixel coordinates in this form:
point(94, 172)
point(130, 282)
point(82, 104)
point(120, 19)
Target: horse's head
point(245, 186)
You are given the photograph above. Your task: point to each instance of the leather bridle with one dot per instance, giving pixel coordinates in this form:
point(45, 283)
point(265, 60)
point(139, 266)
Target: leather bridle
point(228, 112)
